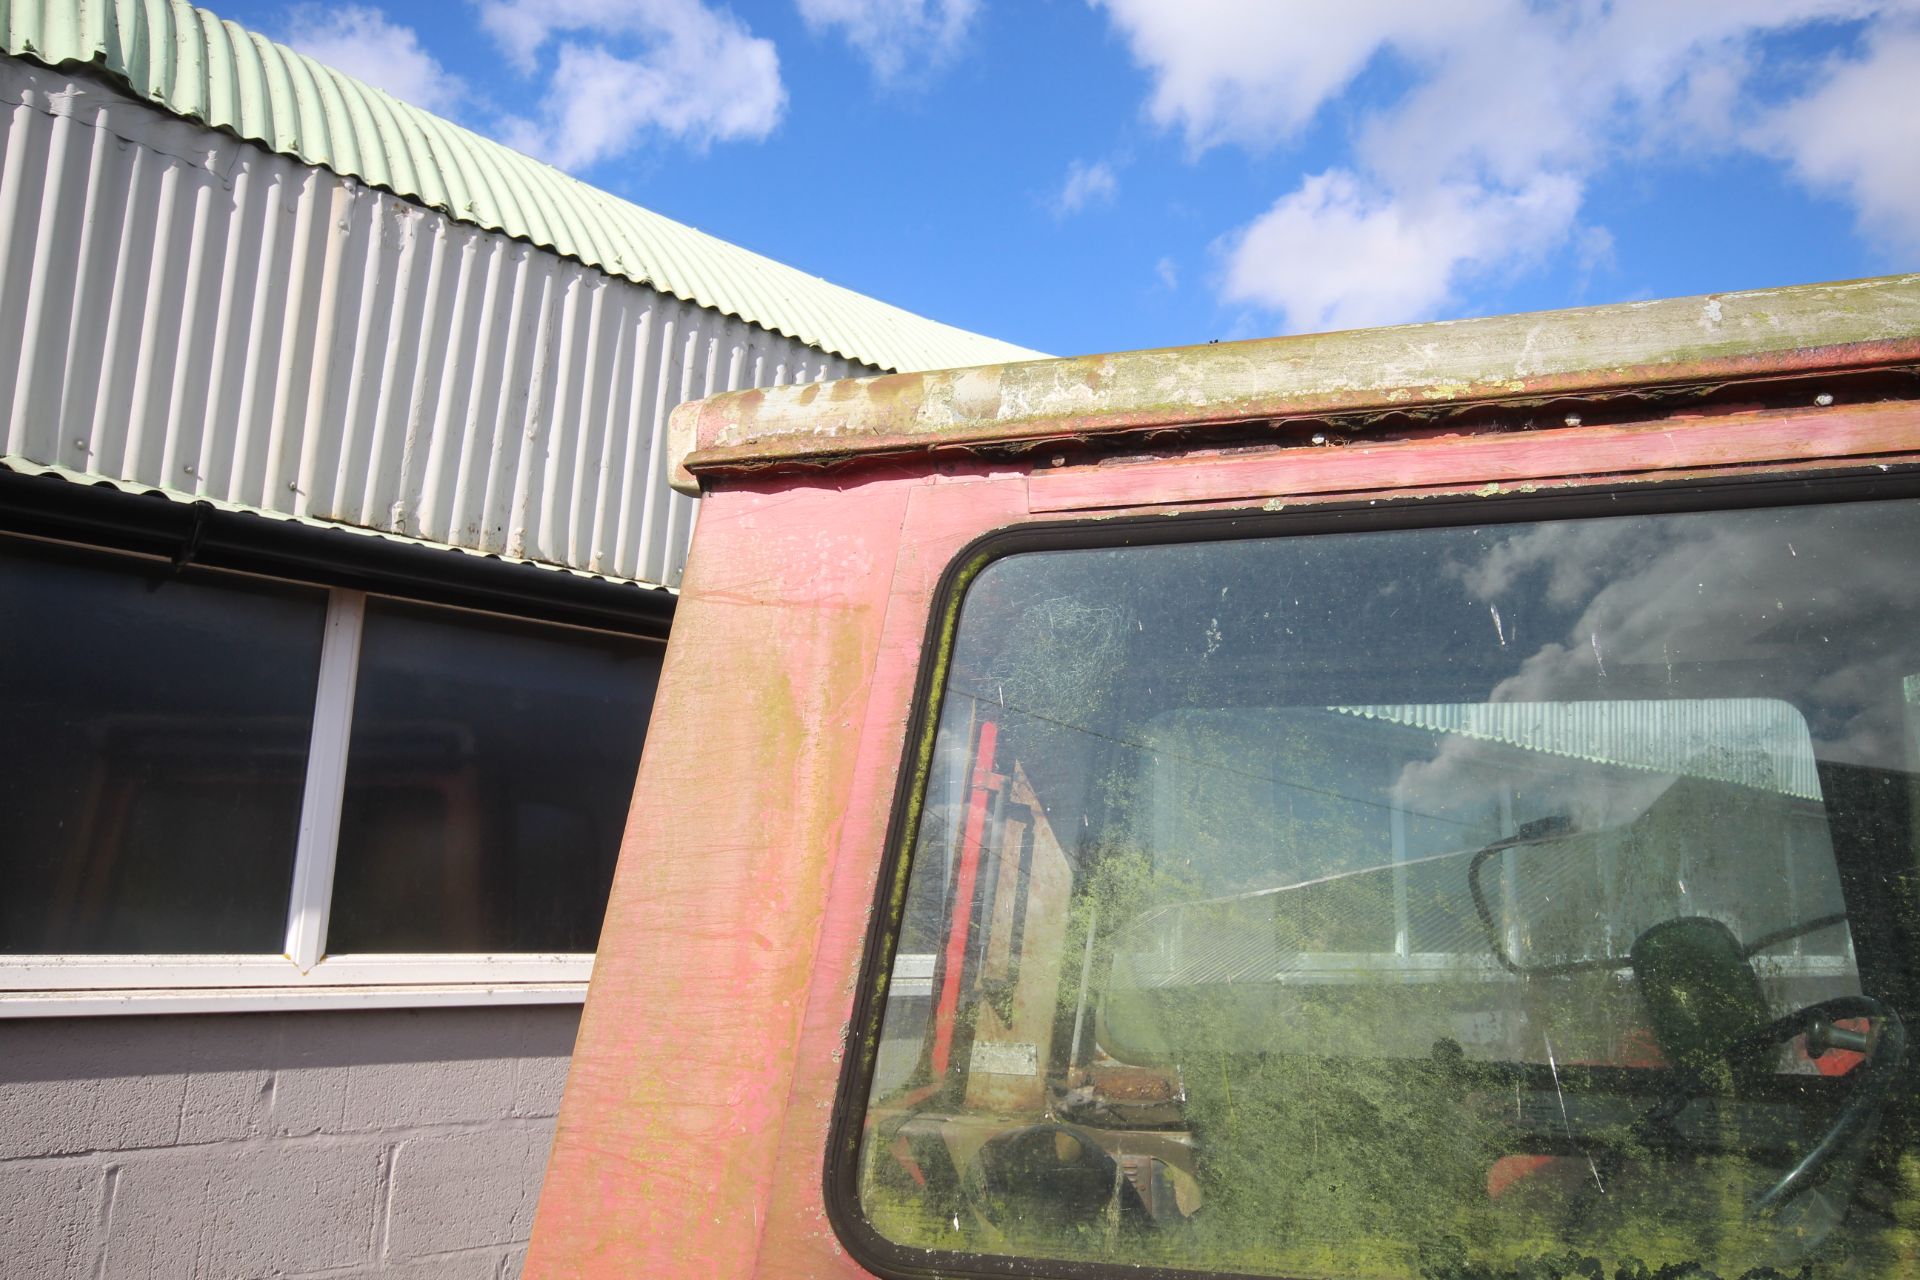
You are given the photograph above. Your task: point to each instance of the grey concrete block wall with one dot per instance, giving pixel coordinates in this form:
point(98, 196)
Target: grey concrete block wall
point(399, 1144)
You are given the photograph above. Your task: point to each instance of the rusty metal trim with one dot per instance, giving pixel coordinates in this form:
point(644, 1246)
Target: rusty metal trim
point(1786, 437)
point(1809, 330)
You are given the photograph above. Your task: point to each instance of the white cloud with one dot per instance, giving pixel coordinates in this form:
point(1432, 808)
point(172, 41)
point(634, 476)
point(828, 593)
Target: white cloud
point(360, 41)
point(627, 69)
point(1229, 71)
point(1168, 272)
point(1858, 134)
point(1336, 254)
point(1511, 108)
point(895, 35)
point(1086, 184)
point(521, 28)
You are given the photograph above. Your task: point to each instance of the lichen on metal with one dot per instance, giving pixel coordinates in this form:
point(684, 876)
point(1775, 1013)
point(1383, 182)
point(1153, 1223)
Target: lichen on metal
point(1544, 354)
point(192, 63)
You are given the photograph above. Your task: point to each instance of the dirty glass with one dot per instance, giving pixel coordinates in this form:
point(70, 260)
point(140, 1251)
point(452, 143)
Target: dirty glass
point(1519, 900)
point(153, 746)
point(488, 777)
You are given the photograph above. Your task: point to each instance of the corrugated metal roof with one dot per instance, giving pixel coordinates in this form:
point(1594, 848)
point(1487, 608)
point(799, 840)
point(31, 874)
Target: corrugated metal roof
point(188, 313)
point(1754, 742)
point(192, 63)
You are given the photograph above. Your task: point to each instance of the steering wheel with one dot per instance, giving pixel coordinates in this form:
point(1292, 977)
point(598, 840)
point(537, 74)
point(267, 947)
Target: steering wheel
point(1705, 1007)
point(1872, 1081)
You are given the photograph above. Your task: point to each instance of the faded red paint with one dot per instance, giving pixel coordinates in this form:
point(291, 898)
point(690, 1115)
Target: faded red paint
point(694, 1128)
point(1662, 444)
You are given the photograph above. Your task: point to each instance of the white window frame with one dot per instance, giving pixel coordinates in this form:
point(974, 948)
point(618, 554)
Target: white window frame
point(303, 975)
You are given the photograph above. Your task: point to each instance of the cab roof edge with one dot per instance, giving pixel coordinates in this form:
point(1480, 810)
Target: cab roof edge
point(1804, 328)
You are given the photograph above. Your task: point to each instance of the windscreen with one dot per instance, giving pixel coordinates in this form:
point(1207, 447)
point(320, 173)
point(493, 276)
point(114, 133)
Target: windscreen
point(1532, 898)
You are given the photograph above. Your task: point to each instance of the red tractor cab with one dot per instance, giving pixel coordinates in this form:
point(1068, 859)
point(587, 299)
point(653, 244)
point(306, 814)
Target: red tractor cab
point(1429, 802)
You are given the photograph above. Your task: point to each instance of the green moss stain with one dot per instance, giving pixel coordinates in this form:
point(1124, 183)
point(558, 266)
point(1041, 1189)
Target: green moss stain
point(919, 771)
point(1322, 1149)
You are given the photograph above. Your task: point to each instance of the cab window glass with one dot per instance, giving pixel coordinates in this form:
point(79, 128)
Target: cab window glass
point(1522, 899)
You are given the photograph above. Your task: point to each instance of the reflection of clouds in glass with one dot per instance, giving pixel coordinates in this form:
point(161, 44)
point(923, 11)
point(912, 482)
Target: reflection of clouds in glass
point(1469, 776)
point(1814, 603)
point(1573, 556)
point(1874, 734)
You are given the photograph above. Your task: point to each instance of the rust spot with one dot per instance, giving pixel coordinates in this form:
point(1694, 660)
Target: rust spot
point(1131, 1084)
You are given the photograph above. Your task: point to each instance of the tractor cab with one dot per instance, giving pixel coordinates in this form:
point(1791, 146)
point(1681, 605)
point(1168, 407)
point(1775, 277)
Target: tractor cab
point(1434, 803)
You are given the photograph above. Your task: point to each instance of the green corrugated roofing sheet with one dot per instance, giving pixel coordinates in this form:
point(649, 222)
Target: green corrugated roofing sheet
point(192, 63)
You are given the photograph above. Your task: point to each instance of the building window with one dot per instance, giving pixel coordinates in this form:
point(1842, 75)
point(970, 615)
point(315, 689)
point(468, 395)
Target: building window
point(488, 774)
point(216, 782)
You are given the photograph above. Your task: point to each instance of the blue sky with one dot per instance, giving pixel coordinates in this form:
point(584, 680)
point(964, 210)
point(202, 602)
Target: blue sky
point(1089, 175)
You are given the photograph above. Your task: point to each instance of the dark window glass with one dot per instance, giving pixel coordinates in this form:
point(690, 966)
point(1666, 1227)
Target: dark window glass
point(488, 778)
point(153, 745)
point(1535, 899)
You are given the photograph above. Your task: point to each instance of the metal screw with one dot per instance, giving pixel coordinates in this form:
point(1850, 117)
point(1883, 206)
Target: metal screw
point(1573, 419)
point(1318, 438)
point(80, 444)
point(1824, 399)
point(293, 486)
point(188, 468)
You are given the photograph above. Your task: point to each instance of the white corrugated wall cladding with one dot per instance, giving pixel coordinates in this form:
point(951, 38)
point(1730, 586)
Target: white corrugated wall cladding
point(203, 316)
